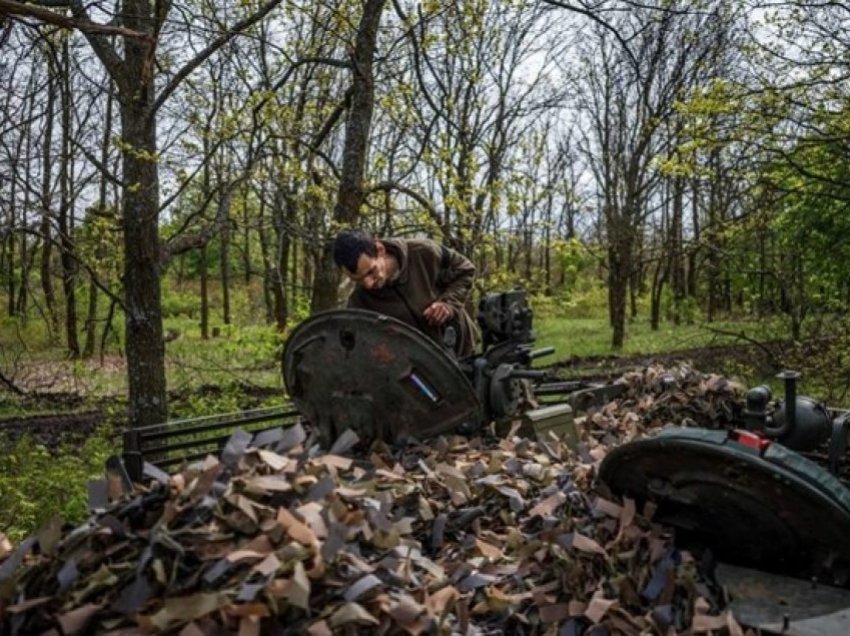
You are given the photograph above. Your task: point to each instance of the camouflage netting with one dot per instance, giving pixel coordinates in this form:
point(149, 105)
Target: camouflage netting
point(467, 536)
point(657, 397)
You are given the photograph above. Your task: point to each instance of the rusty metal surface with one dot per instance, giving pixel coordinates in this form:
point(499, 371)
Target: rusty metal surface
point(355, 369)
point(777, 604)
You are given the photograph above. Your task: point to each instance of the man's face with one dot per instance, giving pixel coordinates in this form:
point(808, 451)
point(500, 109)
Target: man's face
point(373, 272)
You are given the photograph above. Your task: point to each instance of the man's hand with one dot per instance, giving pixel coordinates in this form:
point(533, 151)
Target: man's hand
point(438, 313)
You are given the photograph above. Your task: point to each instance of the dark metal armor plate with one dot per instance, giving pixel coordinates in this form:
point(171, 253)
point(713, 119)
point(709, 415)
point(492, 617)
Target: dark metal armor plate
point(359, 370)
point(753, 502)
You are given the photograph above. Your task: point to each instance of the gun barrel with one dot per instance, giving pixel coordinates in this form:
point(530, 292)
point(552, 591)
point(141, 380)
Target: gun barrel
point(539, 353)
point(559, 388)
point(528, 374)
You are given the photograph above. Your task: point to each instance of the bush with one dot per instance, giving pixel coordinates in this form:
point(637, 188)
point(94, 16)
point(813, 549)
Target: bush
point(180, 303)
point(37, 484)
point(586, 302)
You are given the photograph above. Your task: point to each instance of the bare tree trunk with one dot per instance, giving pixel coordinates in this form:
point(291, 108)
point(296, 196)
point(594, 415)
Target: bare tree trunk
point(677, 275)
point(44, 228)
point(619, 271)
point(140, 219)
point(246, 239)
point(66, 222)
point(205, 302)
point(619, 289)
point(27, 255)
point(91, 320)
point(284, 214)
point(224, 265)
point(267, 271)
point(693, 253)
point(281, 274)
point(634, 292)
point(107, 327)
point(9, 244)
point(547, 245)
point(658, 280)
point(265, 252)
point(350, 196)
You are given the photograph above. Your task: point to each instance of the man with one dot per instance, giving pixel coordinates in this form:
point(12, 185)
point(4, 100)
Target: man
point(417, 281)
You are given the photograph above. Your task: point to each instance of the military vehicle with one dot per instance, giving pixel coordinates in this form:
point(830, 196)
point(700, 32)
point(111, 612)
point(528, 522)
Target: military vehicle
point(768, 496)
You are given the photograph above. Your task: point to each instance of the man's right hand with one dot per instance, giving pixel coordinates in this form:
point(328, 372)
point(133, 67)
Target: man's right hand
point(437, 313)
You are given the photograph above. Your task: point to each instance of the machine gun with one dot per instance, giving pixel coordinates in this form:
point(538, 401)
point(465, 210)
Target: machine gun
point(354, 369)
point(357, 370)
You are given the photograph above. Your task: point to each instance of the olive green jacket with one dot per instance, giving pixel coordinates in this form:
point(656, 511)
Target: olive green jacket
point(427, 272)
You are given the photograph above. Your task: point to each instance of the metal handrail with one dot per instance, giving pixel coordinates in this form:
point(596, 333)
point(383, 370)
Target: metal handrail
point(141, 444)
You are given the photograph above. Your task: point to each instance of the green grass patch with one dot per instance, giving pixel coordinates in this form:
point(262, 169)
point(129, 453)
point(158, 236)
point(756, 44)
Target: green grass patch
point(247, 355)
point(592, 336)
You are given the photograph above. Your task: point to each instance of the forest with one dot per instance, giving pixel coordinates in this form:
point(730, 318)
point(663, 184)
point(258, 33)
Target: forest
point(659, 176)
point(684, 159)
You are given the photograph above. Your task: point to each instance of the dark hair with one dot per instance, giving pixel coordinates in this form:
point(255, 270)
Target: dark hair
point(349, 245)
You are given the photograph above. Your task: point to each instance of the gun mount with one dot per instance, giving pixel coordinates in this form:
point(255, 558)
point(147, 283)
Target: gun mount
point(358, 370)
point(383, 379)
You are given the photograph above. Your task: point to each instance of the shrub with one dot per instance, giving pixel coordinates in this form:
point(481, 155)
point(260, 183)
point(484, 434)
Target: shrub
point(37, 484)
point(176, 302)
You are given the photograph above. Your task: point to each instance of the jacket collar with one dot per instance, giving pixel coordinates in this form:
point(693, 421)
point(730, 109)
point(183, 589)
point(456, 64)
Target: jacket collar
point(398, 248)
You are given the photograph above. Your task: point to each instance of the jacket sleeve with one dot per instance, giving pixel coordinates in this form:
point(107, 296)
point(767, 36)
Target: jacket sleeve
point(456, 280)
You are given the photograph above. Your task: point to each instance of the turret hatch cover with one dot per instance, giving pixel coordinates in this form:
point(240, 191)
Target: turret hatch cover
point(359, 370)
point(753, 502)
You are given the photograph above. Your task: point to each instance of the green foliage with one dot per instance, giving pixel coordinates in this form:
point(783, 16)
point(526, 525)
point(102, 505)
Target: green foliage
point(179, 302)
point(37, 484)
point(586, 301)
point(246, 355)
point(17, 334)
point(687, 308)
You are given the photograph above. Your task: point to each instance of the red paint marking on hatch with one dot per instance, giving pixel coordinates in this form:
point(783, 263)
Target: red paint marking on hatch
point(382, 353)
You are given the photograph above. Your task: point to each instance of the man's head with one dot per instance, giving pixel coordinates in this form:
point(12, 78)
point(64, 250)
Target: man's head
point(363, 258)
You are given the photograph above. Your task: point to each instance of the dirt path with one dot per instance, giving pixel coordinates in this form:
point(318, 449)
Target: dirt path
point(51, 429)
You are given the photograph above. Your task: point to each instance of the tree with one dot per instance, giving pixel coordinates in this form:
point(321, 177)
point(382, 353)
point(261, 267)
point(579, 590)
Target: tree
point(134, 69)
point(626, 95)
point(351, 195)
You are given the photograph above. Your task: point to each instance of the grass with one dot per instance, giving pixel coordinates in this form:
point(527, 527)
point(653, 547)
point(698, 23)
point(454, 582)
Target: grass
point(583, 337)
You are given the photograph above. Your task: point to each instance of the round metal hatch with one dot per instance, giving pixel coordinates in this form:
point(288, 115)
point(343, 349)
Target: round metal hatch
point(752, 502)
point(359, 370)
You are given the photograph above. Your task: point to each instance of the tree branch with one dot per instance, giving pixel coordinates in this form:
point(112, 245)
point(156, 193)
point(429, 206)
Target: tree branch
point(40, 12)
point(186, 242)
point(214, 46)
point(585, 11)
point(741, 335)
point(102, 47)
point(89, 269)
point(387, 186)
point(9, 384)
